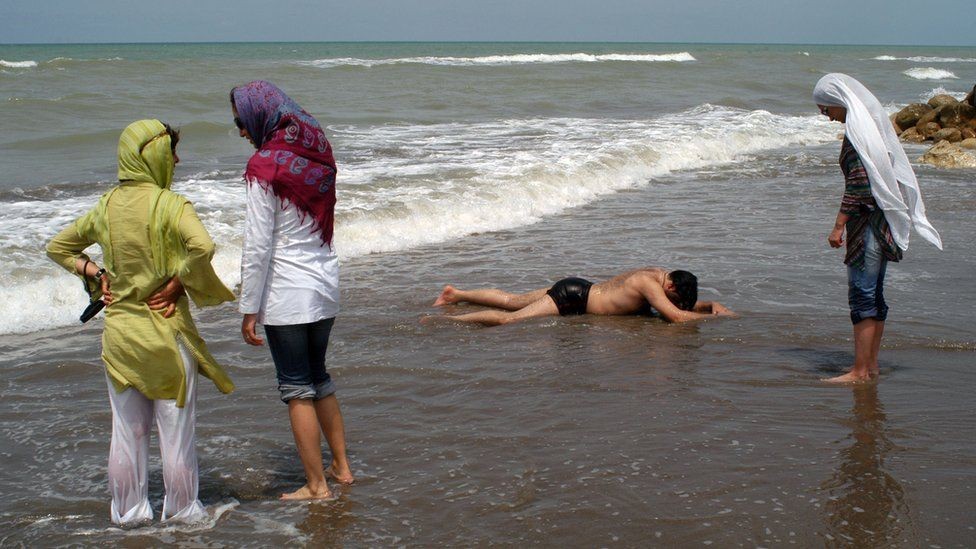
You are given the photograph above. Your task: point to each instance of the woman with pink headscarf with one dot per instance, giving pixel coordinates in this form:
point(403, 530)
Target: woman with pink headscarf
point(290, 271)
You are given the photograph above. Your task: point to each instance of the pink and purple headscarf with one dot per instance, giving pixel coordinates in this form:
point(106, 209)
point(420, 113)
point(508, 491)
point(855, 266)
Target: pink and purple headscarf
point(294, 159)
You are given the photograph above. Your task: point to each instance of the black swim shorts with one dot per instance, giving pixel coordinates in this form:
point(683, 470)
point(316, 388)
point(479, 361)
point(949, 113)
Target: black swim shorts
point(570, 295)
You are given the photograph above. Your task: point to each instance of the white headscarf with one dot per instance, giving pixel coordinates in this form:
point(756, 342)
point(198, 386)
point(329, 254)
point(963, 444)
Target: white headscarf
point(889, 171)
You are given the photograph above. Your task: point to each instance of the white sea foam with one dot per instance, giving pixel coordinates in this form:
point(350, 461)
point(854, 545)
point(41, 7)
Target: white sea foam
point(942, 91)
point(929, 73)
point(446, 181)
point(61, 60)
point(926, 59)
point(17, 64)
point(501, 60)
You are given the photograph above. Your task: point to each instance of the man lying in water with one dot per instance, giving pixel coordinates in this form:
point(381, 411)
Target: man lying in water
point(673, 294)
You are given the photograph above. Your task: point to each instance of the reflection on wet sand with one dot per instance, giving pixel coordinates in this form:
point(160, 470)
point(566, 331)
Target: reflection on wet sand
point(866, 505)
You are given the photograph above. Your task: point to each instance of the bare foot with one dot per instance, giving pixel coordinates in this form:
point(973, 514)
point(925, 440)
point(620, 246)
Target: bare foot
point(307, 493)
point(345, 478)
point(850, 377)
point(447, 297)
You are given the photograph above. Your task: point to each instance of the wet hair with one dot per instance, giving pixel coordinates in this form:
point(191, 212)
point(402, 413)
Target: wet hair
point(686, 286)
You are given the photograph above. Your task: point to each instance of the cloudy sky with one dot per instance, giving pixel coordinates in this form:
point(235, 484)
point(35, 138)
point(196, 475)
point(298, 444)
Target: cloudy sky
point(736, 21)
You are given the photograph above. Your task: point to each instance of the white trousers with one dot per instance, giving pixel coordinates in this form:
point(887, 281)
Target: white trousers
point(128, 459)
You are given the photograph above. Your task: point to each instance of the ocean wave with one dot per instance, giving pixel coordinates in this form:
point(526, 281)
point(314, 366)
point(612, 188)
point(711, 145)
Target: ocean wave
point(67, 60)
point(17, 64)
point(925, 59)
point(929, 73)
point(409, 185)
point(942, 91)
point(502, 60)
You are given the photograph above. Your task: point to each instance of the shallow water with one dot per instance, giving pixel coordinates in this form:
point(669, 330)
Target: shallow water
point(588, 431)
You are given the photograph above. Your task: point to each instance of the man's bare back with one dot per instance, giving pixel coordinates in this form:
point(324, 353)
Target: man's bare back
point(625, 293)
point(629, 293)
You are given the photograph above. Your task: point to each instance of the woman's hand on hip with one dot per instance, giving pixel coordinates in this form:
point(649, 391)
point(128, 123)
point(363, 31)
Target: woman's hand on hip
point(107, 297)
point(166, 296)
point(248, 326)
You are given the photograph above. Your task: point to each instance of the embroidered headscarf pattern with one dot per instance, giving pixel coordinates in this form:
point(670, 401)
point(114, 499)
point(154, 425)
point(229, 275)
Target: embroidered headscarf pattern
point(294, 159)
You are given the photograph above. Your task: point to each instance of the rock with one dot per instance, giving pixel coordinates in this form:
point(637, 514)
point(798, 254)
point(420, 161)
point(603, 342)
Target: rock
point(952, 135)
point(958, 115)
point(942, 99)
point(931, 116)
point(912, 136)
point(895, 125)
point(928, 130)
point(967, 134)
point(908, 117)
point(948, 155)
point(968, 143)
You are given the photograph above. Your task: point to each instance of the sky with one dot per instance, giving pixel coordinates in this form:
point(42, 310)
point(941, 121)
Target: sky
point(887, 22)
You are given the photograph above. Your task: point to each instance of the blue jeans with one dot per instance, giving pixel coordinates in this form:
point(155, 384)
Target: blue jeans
point(298, 351)
point(865, 289)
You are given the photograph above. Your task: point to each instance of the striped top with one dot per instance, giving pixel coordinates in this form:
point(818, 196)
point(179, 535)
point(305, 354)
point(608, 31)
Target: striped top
point(859, 204)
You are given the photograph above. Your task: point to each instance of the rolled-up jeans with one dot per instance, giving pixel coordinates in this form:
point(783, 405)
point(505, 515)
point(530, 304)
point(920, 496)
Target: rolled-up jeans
point(298, 351)
point(865, 288)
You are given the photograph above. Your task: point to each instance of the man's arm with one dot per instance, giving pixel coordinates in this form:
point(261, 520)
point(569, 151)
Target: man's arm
point(713, 307)
point(654, 294)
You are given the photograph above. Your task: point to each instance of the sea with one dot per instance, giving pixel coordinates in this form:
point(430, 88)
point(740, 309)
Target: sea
point(513, 165)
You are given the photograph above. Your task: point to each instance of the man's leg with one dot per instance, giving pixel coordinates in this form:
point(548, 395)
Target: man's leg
point(543, 306)
point(490, 297)
point(177, 444)
point(128, 456)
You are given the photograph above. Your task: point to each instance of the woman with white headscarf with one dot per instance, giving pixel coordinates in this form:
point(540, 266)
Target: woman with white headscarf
point(882, 203)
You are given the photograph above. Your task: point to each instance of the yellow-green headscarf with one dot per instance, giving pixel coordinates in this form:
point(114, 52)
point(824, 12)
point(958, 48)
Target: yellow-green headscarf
point(145, 155)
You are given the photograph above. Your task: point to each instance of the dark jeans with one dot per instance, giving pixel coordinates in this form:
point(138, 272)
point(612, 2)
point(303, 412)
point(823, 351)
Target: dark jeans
point(298, 351)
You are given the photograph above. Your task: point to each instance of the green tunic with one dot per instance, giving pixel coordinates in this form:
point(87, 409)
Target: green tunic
point(139, 345)
point(148, 234)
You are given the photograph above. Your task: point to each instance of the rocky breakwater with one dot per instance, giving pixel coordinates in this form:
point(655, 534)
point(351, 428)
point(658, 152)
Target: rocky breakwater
point(946, 122)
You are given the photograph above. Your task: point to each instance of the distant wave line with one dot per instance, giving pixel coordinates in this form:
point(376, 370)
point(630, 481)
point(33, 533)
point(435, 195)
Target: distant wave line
point(924, 59)
point(30, 64)
point(502, 60)
point(17, 64)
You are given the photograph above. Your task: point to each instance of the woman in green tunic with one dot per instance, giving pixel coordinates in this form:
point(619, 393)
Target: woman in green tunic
point(155, 252)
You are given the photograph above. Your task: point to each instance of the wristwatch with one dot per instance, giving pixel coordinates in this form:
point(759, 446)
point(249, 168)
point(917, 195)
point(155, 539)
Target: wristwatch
point(98, 276)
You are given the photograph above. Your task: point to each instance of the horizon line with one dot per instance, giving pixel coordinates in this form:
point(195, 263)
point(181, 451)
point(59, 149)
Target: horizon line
point(268, 42)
